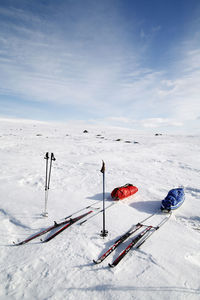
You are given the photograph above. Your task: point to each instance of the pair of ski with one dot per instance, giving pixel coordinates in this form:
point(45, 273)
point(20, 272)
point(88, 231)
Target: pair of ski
point(66, 223)
point(136, 242)
point(61, 226)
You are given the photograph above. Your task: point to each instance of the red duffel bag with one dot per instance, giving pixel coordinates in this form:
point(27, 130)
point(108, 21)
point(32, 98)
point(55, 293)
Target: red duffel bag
point(124, 191)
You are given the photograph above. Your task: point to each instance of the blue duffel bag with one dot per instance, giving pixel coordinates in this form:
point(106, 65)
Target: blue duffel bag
point(173, 200)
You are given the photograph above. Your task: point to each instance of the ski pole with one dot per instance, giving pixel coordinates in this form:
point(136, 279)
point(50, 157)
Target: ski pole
point(52, 159)
point(47, 181)
point(104, 232)
point(45, 214)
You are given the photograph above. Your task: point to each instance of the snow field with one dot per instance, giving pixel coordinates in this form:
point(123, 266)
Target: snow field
point(167, 266)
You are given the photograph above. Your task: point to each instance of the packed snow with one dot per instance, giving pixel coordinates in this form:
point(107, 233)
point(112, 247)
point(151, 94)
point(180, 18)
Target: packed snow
point(167, 266)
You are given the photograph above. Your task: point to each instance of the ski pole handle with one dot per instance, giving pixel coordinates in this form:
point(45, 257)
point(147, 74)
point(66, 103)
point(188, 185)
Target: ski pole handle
point(46, 155)
point(52, 157)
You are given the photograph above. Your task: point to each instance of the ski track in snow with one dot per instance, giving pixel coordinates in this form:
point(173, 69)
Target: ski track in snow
point(167, 266)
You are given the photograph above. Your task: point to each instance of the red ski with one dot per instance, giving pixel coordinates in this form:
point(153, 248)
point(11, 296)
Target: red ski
point(49, 229)
point(72, 221)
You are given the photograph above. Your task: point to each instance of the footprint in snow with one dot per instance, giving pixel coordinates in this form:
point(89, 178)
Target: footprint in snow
point(193, 191)
point(32, 181)
point(192, 222)
point(194, 258)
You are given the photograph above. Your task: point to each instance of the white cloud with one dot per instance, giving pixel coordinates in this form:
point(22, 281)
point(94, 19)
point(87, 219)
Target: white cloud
point(84, 70)
point(91, 63)
point(163, 125)
point(181, 93)
point(160, 122)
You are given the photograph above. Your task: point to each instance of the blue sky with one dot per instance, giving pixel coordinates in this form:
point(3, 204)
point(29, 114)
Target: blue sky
point(133, 63)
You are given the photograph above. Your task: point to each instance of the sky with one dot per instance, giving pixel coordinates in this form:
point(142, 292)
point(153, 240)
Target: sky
point(130, 63)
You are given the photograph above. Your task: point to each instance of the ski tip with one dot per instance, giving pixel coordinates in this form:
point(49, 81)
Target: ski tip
point(111, 265)
point(82, 222)
point(44, 241)
point(17, 244)
point(96, 261)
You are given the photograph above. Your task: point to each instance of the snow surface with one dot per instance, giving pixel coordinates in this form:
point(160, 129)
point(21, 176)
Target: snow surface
point(167, 266)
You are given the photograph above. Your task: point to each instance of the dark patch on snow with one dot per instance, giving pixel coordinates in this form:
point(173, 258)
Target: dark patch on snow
point(12, 219)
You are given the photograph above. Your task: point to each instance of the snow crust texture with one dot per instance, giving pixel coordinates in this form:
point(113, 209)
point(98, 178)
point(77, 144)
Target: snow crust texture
point(167, 266)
